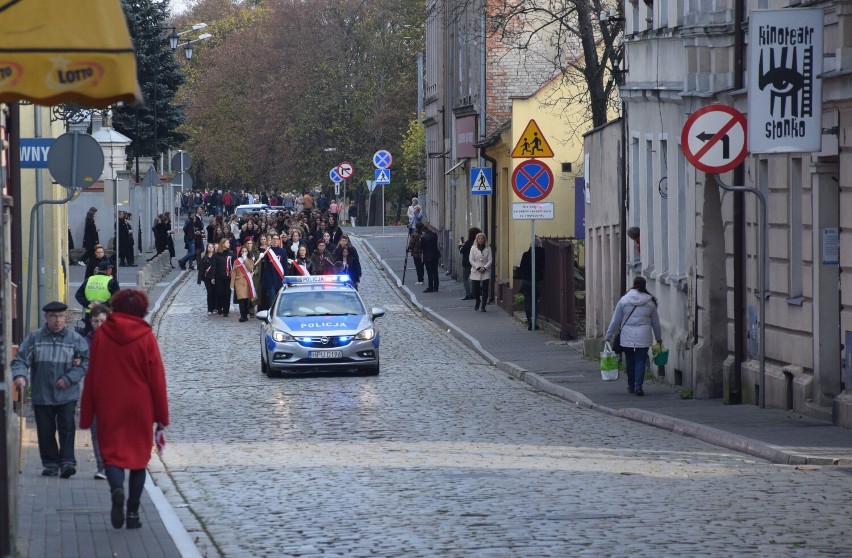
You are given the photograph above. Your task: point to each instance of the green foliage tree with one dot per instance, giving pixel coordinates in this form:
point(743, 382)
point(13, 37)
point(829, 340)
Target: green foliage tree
point(160, 77)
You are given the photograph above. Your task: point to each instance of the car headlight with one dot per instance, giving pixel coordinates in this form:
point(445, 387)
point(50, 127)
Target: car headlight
point(281, 337)
point(366, 335)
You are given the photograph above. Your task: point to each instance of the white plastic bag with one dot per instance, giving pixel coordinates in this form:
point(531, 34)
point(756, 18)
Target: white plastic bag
point(609, 364)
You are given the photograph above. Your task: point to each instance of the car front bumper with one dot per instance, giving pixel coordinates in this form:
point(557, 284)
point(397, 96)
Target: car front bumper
point(295, 358)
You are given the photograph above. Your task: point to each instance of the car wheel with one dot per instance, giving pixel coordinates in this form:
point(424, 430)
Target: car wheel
point(374, 370)
point(264, 368)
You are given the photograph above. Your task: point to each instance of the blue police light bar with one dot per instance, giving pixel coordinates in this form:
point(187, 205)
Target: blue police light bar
point(314, 279)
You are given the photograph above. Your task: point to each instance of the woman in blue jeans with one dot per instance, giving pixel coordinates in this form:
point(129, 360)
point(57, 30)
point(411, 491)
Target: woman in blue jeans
point(636, 318)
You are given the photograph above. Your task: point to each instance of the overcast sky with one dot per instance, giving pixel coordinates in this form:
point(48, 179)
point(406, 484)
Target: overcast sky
point(178, 6)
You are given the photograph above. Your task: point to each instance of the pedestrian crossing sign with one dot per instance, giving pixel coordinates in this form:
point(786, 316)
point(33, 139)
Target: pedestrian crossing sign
point(382, 176)
point(480, 181)
point(532, 144)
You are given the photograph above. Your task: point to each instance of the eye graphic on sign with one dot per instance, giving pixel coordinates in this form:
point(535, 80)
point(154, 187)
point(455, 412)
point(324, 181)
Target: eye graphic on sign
point(783, 82)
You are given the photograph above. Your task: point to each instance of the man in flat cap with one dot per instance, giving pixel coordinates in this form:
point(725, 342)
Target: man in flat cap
point(97, 289)
point(56, 358)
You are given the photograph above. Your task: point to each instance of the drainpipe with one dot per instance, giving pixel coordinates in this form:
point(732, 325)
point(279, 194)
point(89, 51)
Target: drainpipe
point(624, 206)
point(739, 248)
point(493, 224)
point(14, 191)
point(483, 209)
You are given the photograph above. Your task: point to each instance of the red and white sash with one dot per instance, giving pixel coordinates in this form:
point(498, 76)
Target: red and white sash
point(247, 276)
point(276, 263)
point(301, 268)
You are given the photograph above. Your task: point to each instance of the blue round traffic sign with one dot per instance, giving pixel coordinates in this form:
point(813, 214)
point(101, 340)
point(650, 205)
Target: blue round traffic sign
point(382, 159)
point(334, 176)
point(532, 180)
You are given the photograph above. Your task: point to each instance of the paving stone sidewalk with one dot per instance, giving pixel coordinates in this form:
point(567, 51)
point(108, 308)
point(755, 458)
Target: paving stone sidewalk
point(559, 368)
point(69, 518)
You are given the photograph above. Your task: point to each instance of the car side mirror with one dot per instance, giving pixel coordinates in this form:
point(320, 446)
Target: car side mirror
point(377, 312)
point(263, 315)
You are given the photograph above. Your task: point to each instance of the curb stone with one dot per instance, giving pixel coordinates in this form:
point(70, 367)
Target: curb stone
point(174, 510)
point(714, 436)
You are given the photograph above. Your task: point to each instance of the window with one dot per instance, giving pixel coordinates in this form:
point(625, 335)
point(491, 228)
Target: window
point(795, 227)
point(682, 213)
point(635, 217)
point(650, 193)
point(663, 191)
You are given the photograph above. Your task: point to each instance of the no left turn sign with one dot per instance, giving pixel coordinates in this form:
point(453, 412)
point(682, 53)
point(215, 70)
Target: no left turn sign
point(714, 138)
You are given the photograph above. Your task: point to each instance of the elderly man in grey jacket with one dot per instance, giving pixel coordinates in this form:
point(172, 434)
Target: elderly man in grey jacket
point(56, 358)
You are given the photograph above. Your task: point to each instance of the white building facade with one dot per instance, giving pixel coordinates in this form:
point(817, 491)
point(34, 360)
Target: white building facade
point(698, 245)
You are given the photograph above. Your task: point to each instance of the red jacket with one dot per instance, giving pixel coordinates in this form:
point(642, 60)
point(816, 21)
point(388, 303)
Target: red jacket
point(125, 388)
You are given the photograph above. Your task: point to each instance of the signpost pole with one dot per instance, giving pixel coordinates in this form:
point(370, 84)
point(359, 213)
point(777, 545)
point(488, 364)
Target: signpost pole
point(532, 252)
point(344, 200)
point(72, 193)
point(383, 208)
point(761, 282)
point(180, 167)
point(39, 197)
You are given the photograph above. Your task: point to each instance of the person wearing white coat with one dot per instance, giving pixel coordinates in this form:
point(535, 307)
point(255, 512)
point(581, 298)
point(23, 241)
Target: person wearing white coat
point(480, 270)
point(636, 318)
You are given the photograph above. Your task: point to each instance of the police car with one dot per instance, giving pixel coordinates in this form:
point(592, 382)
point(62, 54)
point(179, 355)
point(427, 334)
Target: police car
point(252, 209)
point(318, 323)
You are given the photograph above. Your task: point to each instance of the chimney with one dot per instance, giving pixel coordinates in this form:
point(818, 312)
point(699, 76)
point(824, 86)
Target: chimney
point(97, 120)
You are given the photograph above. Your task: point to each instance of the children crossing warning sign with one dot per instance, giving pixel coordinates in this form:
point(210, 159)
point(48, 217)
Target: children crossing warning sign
point(532, 144)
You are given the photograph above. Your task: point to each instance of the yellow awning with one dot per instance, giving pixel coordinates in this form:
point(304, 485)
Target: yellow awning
point(66, 51)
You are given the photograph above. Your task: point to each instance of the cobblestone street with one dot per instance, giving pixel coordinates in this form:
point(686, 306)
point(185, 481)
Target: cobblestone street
point(443, 455)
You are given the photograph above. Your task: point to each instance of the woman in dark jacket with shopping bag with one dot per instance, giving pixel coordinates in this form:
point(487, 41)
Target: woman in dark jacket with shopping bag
point(636, 319)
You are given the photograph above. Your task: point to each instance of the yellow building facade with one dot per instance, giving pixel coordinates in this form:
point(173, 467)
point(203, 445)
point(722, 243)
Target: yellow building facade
point(49, 275)
point(562, 124)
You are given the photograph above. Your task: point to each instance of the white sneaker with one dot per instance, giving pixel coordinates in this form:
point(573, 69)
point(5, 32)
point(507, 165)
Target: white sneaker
point(82, 263)
point(419, 283)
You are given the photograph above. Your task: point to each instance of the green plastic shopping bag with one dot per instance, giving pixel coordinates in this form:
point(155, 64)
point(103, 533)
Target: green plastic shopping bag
point(659, 354)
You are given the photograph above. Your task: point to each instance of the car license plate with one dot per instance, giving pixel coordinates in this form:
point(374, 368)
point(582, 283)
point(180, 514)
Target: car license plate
point(325, 354)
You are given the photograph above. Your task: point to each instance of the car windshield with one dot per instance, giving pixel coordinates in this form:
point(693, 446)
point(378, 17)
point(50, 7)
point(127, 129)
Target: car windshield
point(319, 303)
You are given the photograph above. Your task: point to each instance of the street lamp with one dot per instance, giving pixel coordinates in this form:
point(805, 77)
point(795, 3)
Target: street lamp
point(187, 46)
point(174, 39)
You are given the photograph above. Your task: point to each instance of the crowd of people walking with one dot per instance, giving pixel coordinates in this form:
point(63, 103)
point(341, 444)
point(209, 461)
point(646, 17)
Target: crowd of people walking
point(243, 260)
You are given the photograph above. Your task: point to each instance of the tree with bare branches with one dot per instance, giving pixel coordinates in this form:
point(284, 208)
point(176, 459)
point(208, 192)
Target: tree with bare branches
point(578, 44)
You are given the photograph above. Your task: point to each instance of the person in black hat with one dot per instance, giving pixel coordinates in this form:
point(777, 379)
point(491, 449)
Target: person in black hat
point(97, 289)
point(56, 359)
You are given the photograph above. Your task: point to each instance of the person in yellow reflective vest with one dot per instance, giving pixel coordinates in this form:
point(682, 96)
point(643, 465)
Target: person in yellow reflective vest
point(97, 289)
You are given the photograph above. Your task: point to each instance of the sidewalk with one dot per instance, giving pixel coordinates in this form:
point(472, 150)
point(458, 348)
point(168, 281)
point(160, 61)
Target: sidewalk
point(70, 518)
point(559, 368)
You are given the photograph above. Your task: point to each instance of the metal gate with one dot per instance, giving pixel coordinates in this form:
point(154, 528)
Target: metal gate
point(561, 279)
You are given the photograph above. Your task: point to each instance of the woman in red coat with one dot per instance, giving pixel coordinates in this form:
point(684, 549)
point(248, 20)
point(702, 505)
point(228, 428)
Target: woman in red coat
point(126, 389)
